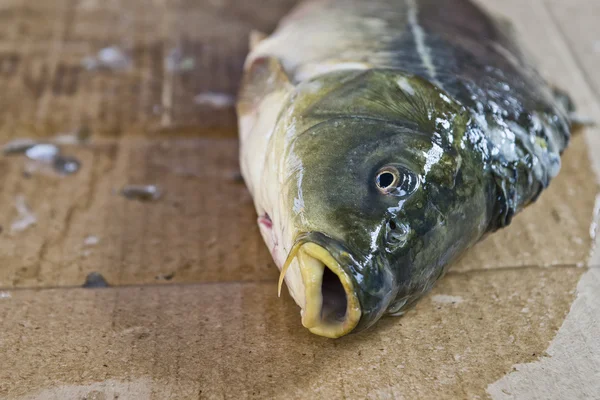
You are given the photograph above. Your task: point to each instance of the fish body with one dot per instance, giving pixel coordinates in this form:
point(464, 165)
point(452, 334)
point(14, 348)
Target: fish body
point(381, 139)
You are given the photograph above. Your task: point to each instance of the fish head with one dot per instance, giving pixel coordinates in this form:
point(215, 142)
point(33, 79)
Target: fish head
point(377, 190)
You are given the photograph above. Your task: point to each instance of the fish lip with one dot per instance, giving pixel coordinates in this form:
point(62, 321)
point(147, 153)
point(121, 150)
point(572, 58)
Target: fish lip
point(329, 253)
point(332, 245)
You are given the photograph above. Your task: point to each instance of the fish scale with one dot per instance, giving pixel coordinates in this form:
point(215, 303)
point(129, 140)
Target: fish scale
point(436, 94)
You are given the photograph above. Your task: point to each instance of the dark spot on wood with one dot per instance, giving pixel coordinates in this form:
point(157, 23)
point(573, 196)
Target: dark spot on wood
point(9, 64)
point(95, 280)
point(555, 215)
point(185, 267)
point(143, 335)
point(66, 80)
point(36, 80)
point(167, 277)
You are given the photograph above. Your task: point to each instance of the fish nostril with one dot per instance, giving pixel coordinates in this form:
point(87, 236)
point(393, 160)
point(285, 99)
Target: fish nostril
point(335, 301)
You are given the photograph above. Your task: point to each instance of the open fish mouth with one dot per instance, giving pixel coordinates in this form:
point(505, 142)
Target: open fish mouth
point(331, 306)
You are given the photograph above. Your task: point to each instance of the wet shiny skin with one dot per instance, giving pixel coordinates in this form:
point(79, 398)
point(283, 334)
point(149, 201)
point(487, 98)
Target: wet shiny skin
point(445, 102)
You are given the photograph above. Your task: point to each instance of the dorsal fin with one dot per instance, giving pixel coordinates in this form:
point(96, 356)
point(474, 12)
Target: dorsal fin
point(262, 76)
point(255, 38)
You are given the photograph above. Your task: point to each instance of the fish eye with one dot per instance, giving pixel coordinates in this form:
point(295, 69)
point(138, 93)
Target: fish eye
point(396, 181)
point(392, 224)
point(387, 179)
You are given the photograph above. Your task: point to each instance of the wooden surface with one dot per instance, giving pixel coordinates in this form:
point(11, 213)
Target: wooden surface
point(192, 311)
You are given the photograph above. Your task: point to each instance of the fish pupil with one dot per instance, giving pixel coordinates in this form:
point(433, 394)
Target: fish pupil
point(392, 225)
point(385, 180)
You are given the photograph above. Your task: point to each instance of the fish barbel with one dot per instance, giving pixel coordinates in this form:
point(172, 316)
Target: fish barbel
point(381, 139)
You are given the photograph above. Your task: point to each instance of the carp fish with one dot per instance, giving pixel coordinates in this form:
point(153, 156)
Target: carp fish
point(381, 139)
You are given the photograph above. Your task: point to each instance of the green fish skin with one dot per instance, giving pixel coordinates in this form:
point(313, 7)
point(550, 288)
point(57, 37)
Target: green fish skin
point(380, 140)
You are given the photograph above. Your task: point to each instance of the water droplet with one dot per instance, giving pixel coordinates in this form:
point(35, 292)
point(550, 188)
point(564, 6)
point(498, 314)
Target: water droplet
point(142, 192)
point(42, 152)
point(66, 165)
point(91, 241)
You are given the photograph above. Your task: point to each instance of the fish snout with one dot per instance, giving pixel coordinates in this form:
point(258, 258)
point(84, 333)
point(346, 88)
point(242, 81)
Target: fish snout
point(332, 308)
